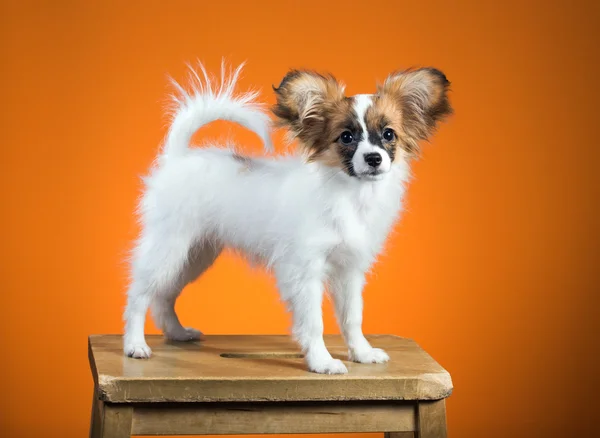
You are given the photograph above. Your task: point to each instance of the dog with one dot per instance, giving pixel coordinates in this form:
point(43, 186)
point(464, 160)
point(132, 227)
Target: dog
point(316, 218)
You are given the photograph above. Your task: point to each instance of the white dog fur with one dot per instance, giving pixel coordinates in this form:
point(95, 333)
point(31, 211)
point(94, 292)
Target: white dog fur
point(313, 225)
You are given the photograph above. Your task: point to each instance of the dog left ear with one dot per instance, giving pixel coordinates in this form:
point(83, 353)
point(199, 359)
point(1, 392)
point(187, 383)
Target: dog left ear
point(423, 98)
point(302, 99)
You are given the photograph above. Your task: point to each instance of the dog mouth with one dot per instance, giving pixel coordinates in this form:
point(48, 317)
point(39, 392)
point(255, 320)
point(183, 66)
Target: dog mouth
point(375, 175)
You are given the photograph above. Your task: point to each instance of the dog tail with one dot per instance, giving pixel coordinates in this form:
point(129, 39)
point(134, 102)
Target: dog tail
point(207, 102)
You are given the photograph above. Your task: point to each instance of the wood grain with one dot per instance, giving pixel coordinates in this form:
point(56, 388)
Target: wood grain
point(270, 418)
point(259, 368)
point(96, 417)
point(432, 419)
point(117, 421)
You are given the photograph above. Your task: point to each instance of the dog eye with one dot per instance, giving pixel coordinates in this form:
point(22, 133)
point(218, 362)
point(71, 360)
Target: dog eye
point(388, 134)
point(346, 137)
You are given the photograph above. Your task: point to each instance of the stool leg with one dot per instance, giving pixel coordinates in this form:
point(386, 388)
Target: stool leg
point(431, 419)
point(116, 421)
point(96, 417)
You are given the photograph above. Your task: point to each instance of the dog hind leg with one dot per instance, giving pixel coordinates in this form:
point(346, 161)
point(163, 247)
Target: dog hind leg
point(201, 257)
point(158, 264)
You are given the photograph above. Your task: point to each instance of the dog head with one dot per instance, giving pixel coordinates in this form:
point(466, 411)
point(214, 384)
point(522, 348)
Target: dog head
point(363, 134)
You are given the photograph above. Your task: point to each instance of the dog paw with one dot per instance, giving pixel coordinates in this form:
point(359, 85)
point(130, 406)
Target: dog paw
point(330, 366)
point(185, 334)
point(138, 350)
point(372, 355)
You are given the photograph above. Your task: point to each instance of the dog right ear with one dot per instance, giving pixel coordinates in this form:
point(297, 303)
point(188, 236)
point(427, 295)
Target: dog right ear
point(302, 98)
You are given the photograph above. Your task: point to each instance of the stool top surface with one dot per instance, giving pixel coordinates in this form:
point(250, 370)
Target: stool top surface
point(229, 368)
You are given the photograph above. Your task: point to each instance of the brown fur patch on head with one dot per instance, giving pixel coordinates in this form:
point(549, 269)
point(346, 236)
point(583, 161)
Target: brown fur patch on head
point(327, 149)
point(385, 113)
point(421, 97)
point(339, 117)
point(306, 101)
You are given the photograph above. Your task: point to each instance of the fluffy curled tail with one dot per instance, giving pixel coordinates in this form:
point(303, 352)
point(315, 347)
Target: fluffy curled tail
point(207, 102)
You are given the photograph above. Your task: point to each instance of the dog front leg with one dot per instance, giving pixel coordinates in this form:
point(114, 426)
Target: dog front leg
point(346, 290)
point(304, 299)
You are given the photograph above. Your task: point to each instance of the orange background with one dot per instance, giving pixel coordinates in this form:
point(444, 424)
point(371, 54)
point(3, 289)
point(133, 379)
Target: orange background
point(493, 268)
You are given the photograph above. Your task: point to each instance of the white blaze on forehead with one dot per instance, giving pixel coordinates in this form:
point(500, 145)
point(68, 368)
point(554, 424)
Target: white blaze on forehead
point(362, 102)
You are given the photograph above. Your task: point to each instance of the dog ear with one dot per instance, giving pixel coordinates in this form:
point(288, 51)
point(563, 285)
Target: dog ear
point(422, 95)
point(302, 99)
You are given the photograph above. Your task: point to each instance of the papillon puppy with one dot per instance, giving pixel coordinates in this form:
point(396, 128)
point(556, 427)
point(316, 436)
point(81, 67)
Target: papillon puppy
point(317, 218)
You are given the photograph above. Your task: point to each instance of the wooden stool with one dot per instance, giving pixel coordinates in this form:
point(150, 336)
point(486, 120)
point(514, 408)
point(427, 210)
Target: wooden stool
point(230, 385)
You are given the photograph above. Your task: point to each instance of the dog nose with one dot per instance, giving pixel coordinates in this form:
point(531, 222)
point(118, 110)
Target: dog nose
point(373, 159)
